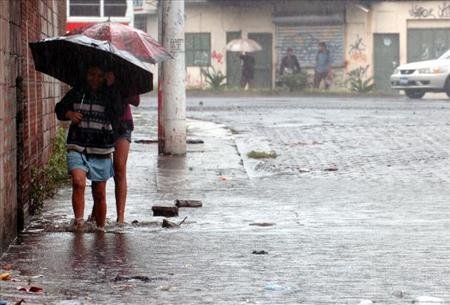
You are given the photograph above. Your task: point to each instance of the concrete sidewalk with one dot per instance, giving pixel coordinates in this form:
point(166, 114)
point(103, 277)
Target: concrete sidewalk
point(323, 237)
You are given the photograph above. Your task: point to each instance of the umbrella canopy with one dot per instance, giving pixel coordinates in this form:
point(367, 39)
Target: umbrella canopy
point(68, 58)
point(243, 45)
point(126, 38)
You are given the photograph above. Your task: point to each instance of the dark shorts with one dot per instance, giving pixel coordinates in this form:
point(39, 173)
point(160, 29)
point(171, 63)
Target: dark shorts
point(125, 135)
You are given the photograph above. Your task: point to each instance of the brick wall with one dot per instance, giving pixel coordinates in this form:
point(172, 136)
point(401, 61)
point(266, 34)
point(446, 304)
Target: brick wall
point(27, 99)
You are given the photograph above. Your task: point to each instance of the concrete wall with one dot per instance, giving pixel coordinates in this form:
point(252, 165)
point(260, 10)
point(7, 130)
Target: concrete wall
point(27, 100)
point(393, 17)
point(219, 19)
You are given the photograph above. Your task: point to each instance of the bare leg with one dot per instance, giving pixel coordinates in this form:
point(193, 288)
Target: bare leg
point(78, 188)
point(120, 177)
point(99, 194)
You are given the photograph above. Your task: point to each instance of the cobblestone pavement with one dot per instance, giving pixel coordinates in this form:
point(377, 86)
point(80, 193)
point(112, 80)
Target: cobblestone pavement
point(355, 206)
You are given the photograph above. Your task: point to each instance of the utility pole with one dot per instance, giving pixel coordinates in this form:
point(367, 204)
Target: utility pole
point(171, 81)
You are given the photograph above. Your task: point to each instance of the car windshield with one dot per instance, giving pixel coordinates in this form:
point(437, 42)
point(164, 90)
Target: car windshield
point(446, 55)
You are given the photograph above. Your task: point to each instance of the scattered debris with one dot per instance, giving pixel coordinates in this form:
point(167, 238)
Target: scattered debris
point(6, 267)
point(167, 288)
point(398, 293)
point(137, 223)
point(331, 169)
point(146, 141)
point(19, 302)
point(304, 170)
point(32, 289)
point(141, 278)
point(6, 276)
point(262, 224)
point(260, 252)
point(165, 211)
point(169, 224)
point(195, 141)
point(254, 154)
point(274, 287)
point(188, 203)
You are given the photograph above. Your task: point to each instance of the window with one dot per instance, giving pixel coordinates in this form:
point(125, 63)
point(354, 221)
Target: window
point(84, 8)
point(198, 49)
point(140, 22)
point(115, 8)
point(138, 3)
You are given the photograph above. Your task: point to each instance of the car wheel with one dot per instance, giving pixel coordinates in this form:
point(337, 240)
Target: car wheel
point(415, 93)
point(447, 87)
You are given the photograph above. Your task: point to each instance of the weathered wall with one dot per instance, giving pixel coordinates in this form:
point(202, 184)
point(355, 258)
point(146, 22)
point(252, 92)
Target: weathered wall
point(27, 99)
point(218, 20)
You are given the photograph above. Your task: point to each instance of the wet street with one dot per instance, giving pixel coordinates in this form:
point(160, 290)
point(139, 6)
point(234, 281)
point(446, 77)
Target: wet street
point(355, 206)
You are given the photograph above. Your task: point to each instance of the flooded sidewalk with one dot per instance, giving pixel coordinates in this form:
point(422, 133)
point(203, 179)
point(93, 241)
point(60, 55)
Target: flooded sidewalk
point(262, 236)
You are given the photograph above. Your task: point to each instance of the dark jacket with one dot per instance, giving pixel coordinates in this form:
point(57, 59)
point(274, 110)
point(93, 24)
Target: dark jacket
point(290, 62)
point(95, 134)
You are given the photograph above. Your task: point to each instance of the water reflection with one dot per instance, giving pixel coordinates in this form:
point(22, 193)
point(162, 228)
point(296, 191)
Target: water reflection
point(107, 253)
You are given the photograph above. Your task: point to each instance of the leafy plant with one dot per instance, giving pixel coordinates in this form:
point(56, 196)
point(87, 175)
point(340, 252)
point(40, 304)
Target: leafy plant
point(215, 79)
point(358, 81)
point(47, 180)
point(295, 82)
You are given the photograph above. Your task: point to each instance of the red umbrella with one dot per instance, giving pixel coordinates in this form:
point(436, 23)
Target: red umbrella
point(126, 38)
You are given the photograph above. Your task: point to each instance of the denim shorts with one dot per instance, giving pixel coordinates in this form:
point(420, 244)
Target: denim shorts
point(97, 169)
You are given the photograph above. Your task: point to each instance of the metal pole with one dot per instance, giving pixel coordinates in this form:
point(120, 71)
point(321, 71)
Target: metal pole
point(171, 83)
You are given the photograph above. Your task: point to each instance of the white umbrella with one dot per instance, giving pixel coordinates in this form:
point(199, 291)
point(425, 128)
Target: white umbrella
point(243, 45)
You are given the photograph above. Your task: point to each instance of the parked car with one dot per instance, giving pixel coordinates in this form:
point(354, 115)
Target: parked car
point(418, 78)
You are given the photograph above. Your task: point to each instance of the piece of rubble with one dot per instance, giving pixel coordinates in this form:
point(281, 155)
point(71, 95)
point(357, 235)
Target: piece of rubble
point(165, 211)
point(188, 203)
point(260, 252)
point(169, 224)
point(262, 224)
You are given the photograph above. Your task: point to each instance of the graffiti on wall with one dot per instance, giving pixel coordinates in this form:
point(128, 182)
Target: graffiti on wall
point(217, 57)
point(441, 11)
point(357, 50)
point(444, 10)
point(306, 46)
point(418, 11)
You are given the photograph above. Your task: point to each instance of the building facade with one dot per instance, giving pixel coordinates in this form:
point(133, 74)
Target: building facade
point(27, 100)
point(374, 36)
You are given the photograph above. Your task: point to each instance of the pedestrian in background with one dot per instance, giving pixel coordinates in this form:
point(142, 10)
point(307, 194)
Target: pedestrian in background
point(289, 63)
point(248, 70)
point(323, 66)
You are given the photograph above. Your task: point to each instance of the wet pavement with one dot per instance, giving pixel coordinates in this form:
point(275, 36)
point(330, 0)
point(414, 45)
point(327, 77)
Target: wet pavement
point(354, 207)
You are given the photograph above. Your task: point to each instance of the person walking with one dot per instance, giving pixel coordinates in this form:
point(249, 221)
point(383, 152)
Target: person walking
point(122, 141)
point(289, 63)
point(323, 66)
point(93, 109)
point(248, 70)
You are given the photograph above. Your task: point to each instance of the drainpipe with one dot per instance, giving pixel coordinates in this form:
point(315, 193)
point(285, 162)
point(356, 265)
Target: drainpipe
point(171, 80)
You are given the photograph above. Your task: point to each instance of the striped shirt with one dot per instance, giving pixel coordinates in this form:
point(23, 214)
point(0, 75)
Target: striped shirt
point(94, 134)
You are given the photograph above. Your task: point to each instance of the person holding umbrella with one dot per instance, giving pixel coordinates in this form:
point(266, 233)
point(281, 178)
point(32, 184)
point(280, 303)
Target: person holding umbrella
point(145, 48)
point(93, 110)
point(245, 46)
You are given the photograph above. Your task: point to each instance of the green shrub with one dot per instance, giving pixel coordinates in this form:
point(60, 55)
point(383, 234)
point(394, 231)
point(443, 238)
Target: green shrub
point(295, 82)
point(215, 79)
point(46, 181)
point(358, 81)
